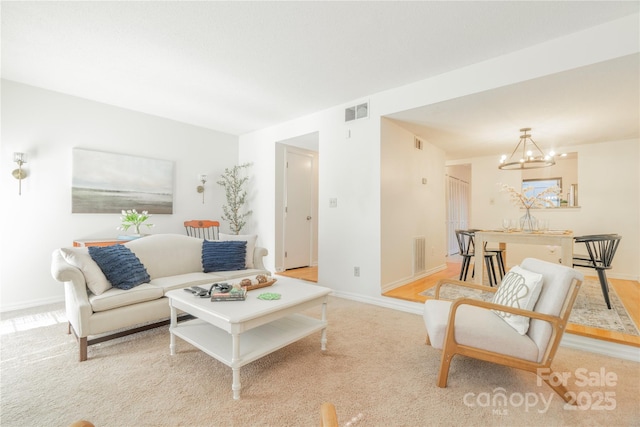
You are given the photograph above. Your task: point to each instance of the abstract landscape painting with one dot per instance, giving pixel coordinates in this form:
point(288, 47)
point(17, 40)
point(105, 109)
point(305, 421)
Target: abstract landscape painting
point(110, 183)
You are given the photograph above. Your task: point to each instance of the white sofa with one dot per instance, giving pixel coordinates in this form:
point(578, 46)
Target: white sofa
point(173, 261)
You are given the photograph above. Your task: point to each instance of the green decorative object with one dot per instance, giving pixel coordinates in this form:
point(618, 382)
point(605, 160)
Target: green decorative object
point(269, 296)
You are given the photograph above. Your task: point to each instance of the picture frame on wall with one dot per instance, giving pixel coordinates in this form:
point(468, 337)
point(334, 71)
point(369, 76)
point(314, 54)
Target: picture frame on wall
point(110, 183)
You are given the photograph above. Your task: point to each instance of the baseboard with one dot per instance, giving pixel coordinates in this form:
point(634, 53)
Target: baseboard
point(393, 303)
point(390, 286)
point(32, 304)
point(606, 348)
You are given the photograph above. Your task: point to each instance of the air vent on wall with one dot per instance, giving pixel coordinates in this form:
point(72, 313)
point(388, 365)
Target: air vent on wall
point(360, 111)
point(419, 254)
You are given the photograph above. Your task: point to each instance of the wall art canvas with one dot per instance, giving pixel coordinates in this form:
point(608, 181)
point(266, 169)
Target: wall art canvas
point(110, 183)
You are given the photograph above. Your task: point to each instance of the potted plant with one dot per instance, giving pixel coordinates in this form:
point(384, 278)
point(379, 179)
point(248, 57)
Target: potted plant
point(131, 218)
point(233, 182)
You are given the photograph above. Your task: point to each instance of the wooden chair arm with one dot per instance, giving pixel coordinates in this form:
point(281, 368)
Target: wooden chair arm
point(554, 320)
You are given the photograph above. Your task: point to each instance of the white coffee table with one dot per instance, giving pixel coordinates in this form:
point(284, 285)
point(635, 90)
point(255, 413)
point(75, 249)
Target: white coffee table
point(239, 332)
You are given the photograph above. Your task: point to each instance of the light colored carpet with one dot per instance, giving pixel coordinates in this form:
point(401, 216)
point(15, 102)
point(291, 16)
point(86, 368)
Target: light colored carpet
point(377, 369)
point(589, 309)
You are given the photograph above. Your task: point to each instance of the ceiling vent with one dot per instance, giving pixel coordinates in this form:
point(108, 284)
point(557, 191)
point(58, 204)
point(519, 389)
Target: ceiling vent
point(360, 111)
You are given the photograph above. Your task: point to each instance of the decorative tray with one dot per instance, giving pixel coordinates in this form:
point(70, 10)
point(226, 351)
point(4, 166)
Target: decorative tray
point(262, 285)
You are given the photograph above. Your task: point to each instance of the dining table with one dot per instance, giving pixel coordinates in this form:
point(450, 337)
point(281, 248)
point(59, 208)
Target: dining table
point(561, 238)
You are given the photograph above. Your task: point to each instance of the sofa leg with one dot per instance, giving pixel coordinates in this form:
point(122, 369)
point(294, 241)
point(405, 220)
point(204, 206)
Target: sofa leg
point(68, 328)
point(83, 348)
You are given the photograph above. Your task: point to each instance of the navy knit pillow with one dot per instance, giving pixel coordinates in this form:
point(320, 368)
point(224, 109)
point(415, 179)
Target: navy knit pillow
point(219, 255)
point(121, 266)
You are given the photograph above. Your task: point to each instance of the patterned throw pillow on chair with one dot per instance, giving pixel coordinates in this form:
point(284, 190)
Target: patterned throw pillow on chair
point(519, 288)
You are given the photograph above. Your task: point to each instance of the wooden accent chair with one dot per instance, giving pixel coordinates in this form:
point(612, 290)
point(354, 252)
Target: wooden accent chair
point(601, 249)
point(328, 417)
point(203, 229)
point(469, 327)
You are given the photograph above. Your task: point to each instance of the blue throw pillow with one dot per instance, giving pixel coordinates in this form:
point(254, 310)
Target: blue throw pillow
point(221, 255)
point(121, 266)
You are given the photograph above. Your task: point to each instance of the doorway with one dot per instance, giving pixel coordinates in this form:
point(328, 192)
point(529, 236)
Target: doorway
point(296, 247)
point(458, 202)
point(298, 209)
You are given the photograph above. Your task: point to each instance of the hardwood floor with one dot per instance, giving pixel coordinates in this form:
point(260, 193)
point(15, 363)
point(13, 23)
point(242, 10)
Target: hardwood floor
point(309, 274)
point(627, 290)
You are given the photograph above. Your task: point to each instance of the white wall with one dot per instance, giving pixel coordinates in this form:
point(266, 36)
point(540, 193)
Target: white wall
point(351, 167)
point(47, 125)
point(408, 207)
point(609, 185)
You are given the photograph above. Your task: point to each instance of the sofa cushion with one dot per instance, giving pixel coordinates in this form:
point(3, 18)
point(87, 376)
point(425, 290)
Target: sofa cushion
point(519, 289)
point(94, 277)
point(186, 280)
point(166, 255)
point(114, 297)
point(235, 274)
point(251, 244)
point(223, 255)
point(121, 266)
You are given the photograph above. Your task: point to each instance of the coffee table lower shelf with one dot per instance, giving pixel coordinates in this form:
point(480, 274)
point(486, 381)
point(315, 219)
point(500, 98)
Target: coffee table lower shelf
point(252, 344)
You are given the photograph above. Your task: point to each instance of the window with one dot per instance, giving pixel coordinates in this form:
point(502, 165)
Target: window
point(533, 187)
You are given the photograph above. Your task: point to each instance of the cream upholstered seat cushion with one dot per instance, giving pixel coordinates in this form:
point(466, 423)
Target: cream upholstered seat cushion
point(185, 280)
point(476, 327)
point(114, 297)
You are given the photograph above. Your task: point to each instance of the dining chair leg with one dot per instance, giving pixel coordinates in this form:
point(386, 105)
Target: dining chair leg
point(500, 264)
point(465, 268)
point(491, 271)
point(605, 287)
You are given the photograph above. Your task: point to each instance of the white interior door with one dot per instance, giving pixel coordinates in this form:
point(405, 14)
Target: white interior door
point(457, 211)
point(298, 210)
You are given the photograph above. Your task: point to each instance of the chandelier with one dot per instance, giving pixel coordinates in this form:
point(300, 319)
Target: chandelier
point(531, 156)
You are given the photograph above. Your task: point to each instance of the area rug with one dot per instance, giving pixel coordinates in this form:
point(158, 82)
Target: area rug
point(377, 370)
point(589, 308)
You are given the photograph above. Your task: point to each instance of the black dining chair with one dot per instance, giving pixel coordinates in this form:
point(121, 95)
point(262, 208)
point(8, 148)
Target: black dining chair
point(601, 248)
point(499, 254)
point(466, 247)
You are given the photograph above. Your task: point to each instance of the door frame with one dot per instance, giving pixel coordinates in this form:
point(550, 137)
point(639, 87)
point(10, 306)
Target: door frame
point(282, 148)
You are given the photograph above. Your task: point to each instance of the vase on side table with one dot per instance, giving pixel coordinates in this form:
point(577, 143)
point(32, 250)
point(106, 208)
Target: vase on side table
point(528, 222)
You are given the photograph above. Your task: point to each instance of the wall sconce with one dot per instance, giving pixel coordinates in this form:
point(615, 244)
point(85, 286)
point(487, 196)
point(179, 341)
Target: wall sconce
point(19, 174)
point(200, 188)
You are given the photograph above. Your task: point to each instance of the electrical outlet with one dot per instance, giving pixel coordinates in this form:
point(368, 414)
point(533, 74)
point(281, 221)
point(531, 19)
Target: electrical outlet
point(333, 202)
point(356, 271)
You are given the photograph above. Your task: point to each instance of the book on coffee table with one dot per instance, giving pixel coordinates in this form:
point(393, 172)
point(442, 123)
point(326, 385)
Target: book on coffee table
point(232, 295)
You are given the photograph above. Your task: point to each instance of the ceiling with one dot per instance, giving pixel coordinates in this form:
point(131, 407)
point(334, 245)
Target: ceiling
point(597, 103)
point(241, 66)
